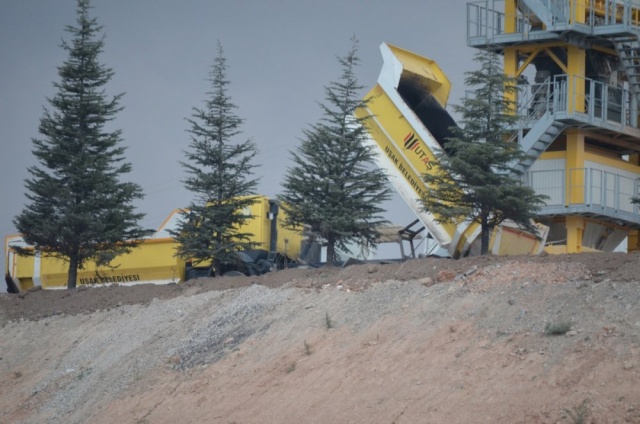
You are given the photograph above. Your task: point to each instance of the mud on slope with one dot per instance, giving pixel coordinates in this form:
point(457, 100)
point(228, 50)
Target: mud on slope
point(430, 340)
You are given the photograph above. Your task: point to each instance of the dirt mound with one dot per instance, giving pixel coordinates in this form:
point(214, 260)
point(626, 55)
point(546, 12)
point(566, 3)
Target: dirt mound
point(545, 339)
point(34, 305)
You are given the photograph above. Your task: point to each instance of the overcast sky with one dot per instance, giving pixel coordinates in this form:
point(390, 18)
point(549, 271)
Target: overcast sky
point(280, 55)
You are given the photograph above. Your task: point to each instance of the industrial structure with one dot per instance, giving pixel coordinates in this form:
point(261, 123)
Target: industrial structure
point(579, 114)
point(408, 125)
point(577, 63)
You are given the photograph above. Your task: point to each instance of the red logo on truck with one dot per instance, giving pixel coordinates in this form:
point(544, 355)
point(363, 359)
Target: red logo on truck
point(411, 142)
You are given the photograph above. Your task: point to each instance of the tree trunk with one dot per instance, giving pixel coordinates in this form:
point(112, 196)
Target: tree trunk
point(217, 268)
point(485, 232)
point(331, 251)
point(72, 275)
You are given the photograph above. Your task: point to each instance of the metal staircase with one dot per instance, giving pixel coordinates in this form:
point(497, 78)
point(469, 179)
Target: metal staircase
point(628, 48)
point(536, 141)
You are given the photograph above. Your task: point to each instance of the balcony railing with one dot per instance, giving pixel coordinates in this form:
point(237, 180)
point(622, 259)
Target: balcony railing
point(587, 190)
point(589, 101)
point(486, 19)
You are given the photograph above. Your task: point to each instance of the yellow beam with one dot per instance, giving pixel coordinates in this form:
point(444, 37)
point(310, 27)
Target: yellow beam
point(511, 70)
point(575, 231)
point(510, 16)
point(557, 60)
point(578, 12)
point(527, 62)
point(576, 58)
point(633, 241)
point(575, 167)
point(601, 49)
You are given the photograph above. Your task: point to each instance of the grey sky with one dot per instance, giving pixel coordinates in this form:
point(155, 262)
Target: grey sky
point(280, 56)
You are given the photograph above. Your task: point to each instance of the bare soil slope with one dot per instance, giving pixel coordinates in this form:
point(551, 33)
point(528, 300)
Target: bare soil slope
point(549, 339)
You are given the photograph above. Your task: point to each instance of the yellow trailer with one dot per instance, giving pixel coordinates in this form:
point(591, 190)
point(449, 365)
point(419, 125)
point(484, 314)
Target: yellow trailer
point(155, 260)
point(408, 127)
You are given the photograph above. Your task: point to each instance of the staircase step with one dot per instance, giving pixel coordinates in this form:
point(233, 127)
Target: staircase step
point(628, 48)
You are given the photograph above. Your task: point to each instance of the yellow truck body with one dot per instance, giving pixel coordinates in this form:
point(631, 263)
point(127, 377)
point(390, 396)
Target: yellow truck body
point(154, 260)
point(408, 126)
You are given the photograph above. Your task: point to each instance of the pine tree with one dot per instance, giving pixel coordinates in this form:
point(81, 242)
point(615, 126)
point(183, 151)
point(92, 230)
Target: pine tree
point(219, 172)
point(475, 178)
point(333, 188)
point(79, 209)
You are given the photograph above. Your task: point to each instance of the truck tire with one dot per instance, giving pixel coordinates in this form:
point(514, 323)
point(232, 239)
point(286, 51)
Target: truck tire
point(263, 266)
point(233, 274)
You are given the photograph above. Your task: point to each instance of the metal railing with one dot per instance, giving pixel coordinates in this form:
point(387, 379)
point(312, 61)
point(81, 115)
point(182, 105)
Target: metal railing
point(487, 19)
point(599, 190)
point(597, 103)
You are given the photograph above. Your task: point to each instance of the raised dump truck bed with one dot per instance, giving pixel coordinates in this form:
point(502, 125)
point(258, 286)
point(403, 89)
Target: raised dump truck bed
point(409, 126)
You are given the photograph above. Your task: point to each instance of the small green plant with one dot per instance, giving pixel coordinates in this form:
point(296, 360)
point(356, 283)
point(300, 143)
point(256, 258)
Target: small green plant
point(291, 368)
point(307, 348)
point(557, 329)
point(328, 322)
point(580, 413)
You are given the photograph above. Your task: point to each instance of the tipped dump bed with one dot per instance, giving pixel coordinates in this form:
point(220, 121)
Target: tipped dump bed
point(409, 127)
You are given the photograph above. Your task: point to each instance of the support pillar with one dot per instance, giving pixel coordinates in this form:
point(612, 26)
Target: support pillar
point(510, 16)
point(575, 172)
point(633, 241)
point(511, 70)
point(576, 59)
point(575, 232)
point(575, 190)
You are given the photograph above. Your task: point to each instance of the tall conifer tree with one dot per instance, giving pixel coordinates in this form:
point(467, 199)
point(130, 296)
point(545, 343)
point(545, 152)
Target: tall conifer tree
point(475, 178)
point(334, 189)
point(220, 171)
point(79, 208)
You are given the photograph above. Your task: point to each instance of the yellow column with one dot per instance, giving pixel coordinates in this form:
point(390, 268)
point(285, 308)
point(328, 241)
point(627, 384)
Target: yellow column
point(510, 16)
point(575, 230)
point(578, 11)
point(576, 58)
point(511, 69)
point(633, 241)
point(575, 188)
point(575, 174)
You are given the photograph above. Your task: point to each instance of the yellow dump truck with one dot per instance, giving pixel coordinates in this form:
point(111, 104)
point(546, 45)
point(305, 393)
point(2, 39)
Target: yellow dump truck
point(155, 261)
point(409, 125)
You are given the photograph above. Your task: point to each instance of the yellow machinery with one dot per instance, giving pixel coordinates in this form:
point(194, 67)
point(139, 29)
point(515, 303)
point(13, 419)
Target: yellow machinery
point(579, 66)
point(154, 260)
point(409, 125)
point(578, 63)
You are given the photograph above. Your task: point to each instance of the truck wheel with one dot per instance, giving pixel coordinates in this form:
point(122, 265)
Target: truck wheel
point(263, 266)
point(233, 274)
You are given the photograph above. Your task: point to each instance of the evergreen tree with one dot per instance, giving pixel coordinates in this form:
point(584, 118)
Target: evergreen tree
point(333, 188)
point(79, 209)
point(219, 172)
point(474, 178)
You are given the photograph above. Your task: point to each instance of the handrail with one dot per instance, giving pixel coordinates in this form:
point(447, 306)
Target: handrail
point(597, 188)
point(486, 18)
point(601, 101)
point(533, 107)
